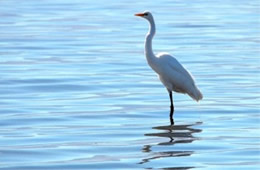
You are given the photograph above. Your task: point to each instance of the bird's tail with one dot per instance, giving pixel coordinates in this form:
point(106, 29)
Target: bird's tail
point(196, 94)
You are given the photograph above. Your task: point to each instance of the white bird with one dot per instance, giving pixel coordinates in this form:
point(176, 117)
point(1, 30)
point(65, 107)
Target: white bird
point(171, 73)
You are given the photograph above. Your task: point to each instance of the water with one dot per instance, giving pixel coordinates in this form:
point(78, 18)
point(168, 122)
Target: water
point(76, 92)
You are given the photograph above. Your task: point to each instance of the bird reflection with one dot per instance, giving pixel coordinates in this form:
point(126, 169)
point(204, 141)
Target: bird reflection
point(182, 134)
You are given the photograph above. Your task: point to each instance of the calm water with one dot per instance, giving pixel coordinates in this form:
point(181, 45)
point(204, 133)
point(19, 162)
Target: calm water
point(76, 92)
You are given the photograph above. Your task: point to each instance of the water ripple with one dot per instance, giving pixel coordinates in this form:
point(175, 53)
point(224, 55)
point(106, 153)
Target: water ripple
point(76, 92)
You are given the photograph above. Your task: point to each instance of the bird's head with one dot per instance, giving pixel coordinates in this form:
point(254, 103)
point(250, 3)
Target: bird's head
point(146, 14)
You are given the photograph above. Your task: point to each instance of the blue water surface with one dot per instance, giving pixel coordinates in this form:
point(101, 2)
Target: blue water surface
point(76, 91)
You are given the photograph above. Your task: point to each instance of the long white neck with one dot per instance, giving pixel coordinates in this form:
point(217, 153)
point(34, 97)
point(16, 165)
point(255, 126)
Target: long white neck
point(148, 42)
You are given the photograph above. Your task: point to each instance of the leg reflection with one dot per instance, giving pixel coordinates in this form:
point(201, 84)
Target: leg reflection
point(182, 134)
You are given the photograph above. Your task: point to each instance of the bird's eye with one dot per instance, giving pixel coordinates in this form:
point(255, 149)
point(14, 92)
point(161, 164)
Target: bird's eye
point(145, 14)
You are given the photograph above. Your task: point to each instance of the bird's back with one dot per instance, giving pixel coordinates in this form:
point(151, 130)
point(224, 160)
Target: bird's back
point(175, 77)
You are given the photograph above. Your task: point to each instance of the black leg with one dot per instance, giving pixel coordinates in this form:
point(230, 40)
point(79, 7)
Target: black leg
point(172, 108)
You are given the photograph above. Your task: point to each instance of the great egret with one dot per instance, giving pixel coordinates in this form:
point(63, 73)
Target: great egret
point(171, 73)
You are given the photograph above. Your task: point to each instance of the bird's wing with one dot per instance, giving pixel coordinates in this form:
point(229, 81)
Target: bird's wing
point(178, 77)
point(174, 64)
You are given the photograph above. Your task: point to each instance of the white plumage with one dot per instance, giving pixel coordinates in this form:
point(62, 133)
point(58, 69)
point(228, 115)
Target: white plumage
point(171, 73)
point(175, 77)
